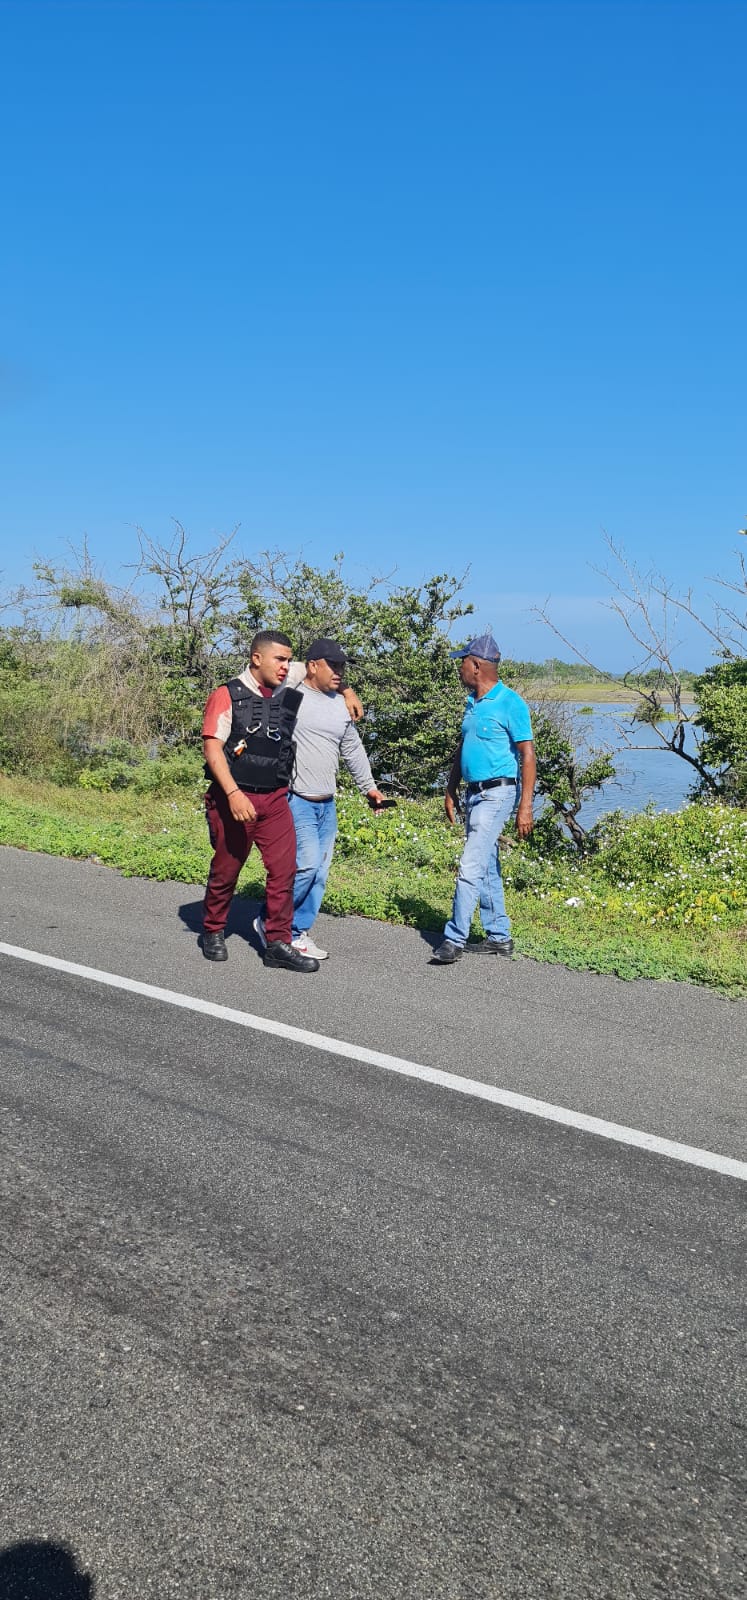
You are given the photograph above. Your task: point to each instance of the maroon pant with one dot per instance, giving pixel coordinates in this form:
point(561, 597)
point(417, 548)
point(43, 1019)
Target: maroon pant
point(275, 837)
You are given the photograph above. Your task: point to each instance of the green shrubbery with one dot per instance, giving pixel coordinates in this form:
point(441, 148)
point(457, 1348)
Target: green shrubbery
point(722, 714)
point(121, 766)
point(685, 869)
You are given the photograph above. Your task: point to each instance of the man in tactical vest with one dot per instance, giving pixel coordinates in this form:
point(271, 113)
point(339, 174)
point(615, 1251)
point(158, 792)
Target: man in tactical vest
point(247, 734)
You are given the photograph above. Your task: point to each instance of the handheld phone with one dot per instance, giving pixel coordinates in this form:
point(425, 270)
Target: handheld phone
point(380, 805)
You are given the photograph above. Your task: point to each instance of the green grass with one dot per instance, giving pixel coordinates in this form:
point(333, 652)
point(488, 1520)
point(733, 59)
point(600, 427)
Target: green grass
point(665, 898)
point(587, 694)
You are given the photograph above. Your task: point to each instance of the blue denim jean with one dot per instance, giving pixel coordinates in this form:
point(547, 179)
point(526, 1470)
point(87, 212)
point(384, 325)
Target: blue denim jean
point(316, 831)
point(479, 878)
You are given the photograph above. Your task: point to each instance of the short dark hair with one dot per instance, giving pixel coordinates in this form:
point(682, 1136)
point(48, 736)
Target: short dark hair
point(268, 636)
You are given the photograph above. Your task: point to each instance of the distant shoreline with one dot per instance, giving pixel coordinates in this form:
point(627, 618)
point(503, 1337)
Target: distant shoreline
point(588, 694)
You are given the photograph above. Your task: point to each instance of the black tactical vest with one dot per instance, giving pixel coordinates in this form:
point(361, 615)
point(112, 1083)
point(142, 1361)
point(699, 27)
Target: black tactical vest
point(260, 748)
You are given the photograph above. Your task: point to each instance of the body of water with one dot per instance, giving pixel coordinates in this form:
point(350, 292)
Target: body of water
point(643, 776)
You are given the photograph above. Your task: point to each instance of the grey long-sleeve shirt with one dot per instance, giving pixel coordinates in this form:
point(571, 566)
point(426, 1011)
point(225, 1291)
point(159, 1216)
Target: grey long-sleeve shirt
point(324, 733)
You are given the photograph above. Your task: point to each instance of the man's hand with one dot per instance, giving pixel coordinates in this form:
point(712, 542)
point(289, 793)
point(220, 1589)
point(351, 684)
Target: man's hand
point(240, 807)
point(452, 806)
point(524, 819)
point(375, 798)
point(354, 705)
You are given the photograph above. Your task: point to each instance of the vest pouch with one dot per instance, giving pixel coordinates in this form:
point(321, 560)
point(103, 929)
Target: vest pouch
point(261, 765)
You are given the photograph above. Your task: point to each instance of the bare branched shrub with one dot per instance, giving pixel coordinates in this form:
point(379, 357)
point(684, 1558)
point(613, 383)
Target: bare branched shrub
point(648, 605)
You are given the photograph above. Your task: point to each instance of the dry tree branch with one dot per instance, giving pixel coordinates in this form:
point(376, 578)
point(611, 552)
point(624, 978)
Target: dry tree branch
point(631, 602)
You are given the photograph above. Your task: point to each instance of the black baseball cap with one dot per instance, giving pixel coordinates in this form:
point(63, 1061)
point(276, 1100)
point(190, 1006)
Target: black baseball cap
point(327, 650)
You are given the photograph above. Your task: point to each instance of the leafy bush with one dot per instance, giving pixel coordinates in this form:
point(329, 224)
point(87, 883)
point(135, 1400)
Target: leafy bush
point(173, 772)
point(566, 772)
point(118, 767)
point(651, 712)
point(111, 775)
point(722, 713)
point(685, 868)
point(412, 834)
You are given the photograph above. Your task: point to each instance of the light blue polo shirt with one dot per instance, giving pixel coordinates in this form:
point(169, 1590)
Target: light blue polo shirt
point(491, 729)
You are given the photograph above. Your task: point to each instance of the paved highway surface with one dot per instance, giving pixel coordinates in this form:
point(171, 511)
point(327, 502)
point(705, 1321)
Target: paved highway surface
point(275, 1323)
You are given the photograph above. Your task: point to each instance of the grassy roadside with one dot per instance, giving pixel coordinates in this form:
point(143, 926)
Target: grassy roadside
point(671, 921)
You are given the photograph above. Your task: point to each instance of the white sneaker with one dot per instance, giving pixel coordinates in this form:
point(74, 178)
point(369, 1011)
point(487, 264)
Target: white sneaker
point(259, 929)
point(306, 945)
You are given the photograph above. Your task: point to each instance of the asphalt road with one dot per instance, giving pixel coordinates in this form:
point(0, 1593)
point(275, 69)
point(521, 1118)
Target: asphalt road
point(278, 1324)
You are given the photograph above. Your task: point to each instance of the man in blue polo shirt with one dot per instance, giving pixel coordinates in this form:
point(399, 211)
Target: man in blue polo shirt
point(495, 758)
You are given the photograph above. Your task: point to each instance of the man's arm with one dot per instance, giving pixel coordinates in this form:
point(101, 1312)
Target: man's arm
point(354, 755)
point(296, 675)
point(354, 705)
point(528, 766)
point(451, 798)
point(239, 804)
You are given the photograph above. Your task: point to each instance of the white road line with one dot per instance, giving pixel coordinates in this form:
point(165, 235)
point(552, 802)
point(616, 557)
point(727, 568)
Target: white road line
point(690, 1154)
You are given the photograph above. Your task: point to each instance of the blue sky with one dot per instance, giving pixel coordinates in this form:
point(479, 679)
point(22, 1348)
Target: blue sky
point(439, 285)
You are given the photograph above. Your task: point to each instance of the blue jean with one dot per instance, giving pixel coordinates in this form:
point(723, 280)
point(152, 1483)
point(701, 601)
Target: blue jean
point(479, 877)
point(316, 831)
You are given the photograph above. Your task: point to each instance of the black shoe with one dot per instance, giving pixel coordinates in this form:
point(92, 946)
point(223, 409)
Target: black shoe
point(214, 947)
point(499, 947)
point(446, 953)
point(278, 954)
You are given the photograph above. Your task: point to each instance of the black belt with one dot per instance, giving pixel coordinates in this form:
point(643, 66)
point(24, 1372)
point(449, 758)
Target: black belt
point(276, 788)
point(313, 799)
point(489, 783)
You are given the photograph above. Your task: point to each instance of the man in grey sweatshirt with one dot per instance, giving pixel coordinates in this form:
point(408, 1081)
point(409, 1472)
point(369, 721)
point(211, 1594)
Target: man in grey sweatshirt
point(324, 733)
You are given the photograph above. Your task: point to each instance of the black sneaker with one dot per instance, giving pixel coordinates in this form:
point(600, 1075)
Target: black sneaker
point(446, 953)
point(499, 947)
point(214, 947)
point(278, 954)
